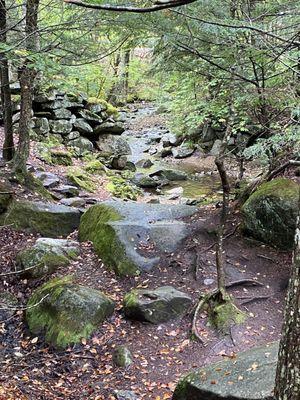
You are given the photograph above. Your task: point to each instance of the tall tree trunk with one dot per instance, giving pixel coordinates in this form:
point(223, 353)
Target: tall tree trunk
point(8, 145)
point(287, 385)
point(27, 76)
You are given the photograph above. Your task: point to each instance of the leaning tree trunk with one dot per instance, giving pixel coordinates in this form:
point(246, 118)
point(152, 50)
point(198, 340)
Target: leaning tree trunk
point(27, 76)
point(287, 385)
point(8, 145)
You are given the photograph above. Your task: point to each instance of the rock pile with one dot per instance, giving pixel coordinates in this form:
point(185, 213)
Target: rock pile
point(75, 120)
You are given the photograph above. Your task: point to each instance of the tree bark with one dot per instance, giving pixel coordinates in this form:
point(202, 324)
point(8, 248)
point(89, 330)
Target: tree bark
point(8, 145)
point(287, 384)
point(27, 76)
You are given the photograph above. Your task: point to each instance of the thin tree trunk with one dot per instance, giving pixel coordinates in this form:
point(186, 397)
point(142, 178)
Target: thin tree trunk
point(8, 145)
point(287, 384)
point(224, 213)
point(26, 76)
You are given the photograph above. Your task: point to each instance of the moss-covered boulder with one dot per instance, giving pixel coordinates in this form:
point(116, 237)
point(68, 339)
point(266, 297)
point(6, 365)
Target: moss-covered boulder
point(47, 219)
point(250, 376)
point(45, 256)
point(270, 213)
point(65, 312)
point(6, 195)
point(157, 305)
point(121, 231)
point(81, 179)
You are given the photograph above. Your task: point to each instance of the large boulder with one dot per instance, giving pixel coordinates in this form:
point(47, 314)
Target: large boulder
point(65, 312)
point(47, 219)
point(45, 256)
point(250, 376)
point(270, 213)
point(113, 145)
point(121, 231)
point(157, 305)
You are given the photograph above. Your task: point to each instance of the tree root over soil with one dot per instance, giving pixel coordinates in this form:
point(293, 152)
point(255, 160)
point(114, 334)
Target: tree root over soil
point(221, 310)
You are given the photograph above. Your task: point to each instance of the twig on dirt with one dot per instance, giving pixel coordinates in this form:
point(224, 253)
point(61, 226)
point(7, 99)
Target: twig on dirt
point(265, 257)
point(24, 308)
point(256, 298)
point(231, 336)
point(225, 237)
point(21, 271)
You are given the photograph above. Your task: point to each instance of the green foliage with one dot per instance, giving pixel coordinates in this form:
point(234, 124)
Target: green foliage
point(265, 150)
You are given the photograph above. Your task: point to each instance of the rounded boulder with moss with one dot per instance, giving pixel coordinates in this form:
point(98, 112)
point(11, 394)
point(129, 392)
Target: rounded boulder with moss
point(64, 312)
point(270, 213)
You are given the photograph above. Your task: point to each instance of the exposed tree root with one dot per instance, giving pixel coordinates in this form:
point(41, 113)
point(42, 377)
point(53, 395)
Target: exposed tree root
point(243, 282)
point(221, 310)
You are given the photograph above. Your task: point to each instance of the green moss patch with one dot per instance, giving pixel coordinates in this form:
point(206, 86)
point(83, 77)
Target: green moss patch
point(81, 179)
point(95, 226)
point(119, 187)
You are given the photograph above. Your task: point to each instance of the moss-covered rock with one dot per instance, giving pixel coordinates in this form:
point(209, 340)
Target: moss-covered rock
point(65, 312)
point(156, 306)
point(122, 357)
point(61, 157)
point(270, 213)
point(118, 228)
point(81, 179)
point(47, 219)
point(95, 225)
point(45, 256)
point(94, 166)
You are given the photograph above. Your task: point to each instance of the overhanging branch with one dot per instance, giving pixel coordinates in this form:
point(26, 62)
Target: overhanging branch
point(160, 5)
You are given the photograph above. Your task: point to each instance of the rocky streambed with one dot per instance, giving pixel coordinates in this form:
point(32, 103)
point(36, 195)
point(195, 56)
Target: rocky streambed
point(167, 168)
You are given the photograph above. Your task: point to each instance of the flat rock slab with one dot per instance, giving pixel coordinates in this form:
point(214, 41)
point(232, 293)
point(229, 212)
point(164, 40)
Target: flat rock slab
point(250, 376)
point(47, 219)
point(123, 233)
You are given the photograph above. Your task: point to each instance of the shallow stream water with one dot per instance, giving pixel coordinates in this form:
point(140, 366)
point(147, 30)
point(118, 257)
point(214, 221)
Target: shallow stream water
point(202, 183)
